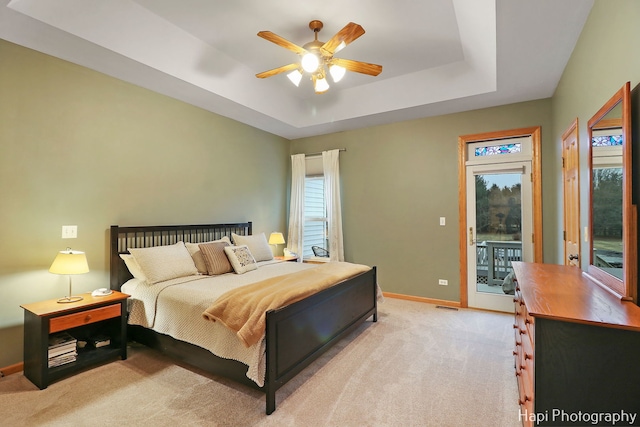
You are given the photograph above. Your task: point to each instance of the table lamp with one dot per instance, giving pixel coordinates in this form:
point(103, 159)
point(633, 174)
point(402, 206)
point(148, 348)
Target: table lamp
point(276, 239)
point(69, 262)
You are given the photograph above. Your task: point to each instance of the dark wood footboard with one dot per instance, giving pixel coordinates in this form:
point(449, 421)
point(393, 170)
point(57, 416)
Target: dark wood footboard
point(298, 334)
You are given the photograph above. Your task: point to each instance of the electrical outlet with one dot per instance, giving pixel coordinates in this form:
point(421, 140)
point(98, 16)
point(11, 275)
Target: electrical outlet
point(69, 231)
point(442, 220)
point(443, 282)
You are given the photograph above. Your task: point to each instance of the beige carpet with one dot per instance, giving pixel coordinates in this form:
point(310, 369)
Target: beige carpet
point(417, 366)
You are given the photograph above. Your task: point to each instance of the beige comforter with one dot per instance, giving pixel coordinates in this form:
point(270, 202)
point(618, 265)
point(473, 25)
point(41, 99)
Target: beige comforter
point(243, 310)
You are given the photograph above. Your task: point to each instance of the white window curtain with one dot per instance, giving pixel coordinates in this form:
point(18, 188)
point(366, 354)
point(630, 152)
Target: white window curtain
point(296, 207)
point(331, 166)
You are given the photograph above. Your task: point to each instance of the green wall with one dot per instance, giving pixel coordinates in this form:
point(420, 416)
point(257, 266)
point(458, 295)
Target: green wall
point(80, 148)
point(604, 59)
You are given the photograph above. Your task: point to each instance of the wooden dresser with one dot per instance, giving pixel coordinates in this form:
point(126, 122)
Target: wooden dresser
point(577, 349)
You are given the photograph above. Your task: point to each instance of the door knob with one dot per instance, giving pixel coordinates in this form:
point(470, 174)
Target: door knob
point(572, 257)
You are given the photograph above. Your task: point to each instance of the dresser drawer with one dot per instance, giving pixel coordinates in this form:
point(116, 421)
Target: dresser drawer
point(69, 321)
point(528, 323)
point(520, 308)
point(525, 376)
point(526, 403)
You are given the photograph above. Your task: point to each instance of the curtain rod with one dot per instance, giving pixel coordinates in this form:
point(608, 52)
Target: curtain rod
point(320, 153)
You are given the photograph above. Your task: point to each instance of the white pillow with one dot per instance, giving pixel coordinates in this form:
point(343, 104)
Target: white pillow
point(133, 266)
point(257, 244)
point(162, 263)
point(198, 260)
point(240, 258)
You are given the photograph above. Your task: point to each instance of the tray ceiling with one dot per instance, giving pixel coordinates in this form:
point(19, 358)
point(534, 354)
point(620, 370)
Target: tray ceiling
point(438, 56)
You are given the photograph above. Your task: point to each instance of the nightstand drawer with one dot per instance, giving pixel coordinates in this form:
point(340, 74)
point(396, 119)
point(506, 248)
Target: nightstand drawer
point(69, 321)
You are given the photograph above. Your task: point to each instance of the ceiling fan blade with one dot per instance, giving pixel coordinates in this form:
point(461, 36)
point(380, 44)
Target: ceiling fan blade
point(358, 66)
point(278, 70)
point(349, 33)
point(274, 38)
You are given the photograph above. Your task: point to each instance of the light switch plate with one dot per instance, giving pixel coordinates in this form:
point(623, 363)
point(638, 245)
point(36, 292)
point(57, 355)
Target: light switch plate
point(69, 231)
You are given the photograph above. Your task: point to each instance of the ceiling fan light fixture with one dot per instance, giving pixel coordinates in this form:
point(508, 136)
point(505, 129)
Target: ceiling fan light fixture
point(295, 76)
point(310, 62)
point(320, 85)
point(337, 72)
point(317, 57)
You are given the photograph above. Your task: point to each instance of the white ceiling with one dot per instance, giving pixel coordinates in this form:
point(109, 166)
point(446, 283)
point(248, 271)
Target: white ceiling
point(438, 56)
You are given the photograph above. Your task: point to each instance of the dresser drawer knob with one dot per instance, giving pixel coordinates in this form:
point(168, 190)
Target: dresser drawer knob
point(523, 401)
point(87, 318)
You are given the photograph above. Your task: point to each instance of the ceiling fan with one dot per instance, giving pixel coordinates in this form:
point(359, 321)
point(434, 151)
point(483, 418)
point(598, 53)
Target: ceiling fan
point(317, 57)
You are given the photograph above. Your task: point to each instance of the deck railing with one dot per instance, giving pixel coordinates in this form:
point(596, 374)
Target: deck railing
point(493, 261)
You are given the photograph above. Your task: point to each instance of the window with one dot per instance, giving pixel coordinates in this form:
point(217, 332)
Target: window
point(315, 215)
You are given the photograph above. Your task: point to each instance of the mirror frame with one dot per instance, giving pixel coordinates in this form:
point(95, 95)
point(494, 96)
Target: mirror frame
point(626, 288)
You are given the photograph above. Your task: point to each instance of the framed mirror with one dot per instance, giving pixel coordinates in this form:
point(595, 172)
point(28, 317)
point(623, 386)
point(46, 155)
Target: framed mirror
point(612, 216)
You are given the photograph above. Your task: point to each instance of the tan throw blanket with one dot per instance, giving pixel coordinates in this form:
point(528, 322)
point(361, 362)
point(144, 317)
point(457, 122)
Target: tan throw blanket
point(243, 310)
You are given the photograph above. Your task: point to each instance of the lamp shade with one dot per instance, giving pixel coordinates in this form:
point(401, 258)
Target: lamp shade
point(337, 72)
point(320, 85)
point(69, 262)
point(295, 76)
point(276, 239)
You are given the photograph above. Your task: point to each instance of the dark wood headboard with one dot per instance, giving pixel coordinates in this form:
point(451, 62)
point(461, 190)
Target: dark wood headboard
point(123, 238)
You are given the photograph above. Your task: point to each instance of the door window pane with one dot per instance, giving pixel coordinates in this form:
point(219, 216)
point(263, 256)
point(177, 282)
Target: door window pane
point(498, 228)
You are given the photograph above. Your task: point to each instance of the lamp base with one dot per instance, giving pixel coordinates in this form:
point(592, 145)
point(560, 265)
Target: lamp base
point(69, 299)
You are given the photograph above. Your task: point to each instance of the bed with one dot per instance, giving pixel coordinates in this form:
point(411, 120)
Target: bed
point(294, 335)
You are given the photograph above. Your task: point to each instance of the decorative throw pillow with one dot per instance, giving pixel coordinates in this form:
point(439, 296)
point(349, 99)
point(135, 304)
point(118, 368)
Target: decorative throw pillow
point(160, 263)
point(240, 258)
point(198, 260)
point(215, 258)
point(132, 266)
point(257, 244)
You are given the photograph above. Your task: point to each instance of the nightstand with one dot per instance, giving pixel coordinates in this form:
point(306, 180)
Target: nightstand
point(286, 258)
point(84, 320)
point(316, 260)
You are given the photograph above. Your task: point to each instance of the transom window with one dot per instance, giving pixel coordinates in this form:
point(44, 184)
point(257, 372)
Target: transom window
point(492, 150)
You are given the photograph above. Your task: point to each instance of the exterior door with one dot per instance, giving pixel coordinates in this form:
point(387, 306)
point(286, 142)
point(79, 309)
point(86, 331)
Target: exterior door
point(483, 155)
point(500, 225)
point(571, 194)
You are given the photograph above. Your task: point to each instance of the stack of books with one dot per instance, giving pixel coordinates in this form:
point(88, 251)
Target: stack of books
point(62, 349)
point(100, 341)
